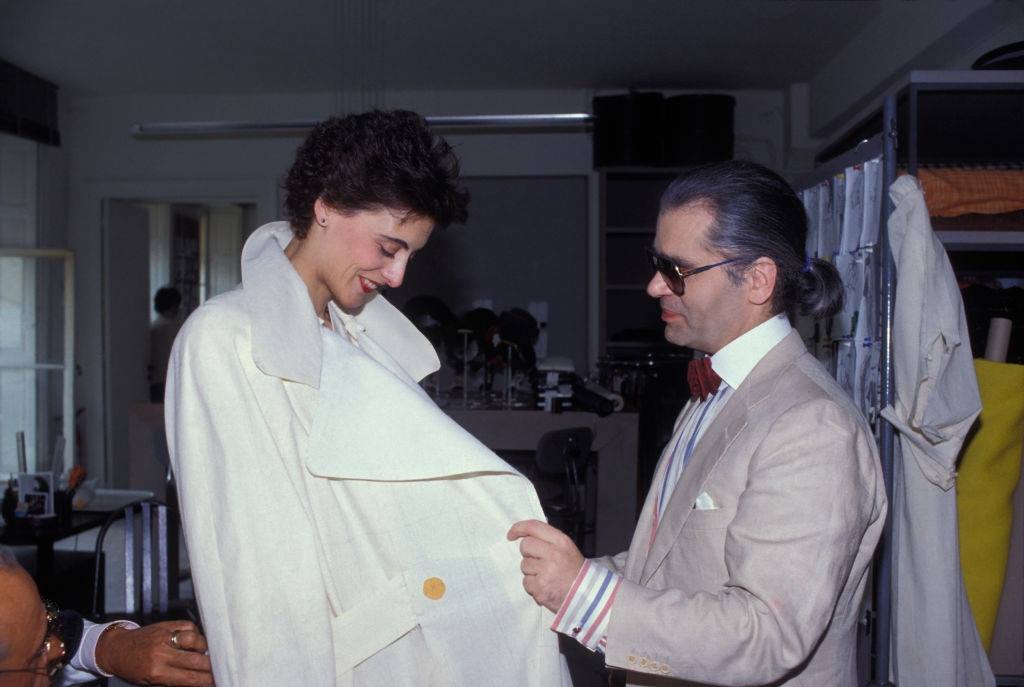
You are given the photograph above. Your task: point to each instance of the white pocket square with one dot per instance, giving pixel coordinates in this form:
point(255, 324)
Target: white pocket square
point(704, 502)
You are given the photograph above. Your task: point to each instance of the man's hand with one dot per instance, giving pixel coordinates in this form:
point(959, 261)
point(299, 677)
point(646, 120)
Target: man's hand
point(146, 656)
point(550, 564)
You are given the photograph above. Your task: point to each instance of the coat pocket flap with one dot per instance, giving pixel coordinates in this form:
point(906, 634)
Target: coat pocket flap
point(371, 625)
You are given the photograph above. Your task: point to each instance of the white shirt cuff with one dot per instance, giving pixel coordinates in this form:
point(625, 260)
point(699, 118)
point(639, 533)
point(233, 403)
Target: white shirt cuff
point(85, 657)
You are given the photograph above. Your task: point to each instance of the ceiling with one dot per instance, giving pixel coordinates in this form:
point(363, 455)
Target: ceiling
point(106, 47)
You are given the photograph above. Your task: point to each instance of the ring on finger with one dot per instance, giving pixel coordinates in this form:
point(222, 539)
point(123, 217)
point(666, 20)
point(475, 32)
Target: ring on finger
point(173, 641)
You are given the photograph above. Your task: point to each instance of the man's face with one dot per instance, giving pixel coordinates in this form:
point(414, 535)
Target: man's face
point(712, 310)
point(23, 633)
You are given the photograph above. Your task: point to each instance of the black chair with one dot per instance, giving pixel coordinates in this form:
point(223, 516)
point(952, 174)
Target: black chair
point(560, 466)
point(151, 572)
point(150, 563)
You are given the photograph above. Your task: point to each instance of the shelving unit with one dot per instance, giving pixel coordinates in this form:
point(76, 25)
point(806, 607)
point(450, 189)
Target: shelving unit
point(944, 119)
point(629, 320)
point(1000, 241)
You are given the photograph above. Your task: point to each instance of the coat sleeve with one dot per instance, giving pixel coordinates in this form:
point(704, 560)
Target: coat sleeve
point(263, 610)
point(789, 551)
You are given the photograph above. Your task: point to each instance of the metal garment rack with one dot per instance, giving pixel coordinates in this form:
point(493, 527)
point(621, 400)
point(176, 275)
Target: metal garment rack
point(903, 106)
point(882, 587)
point(881, 145)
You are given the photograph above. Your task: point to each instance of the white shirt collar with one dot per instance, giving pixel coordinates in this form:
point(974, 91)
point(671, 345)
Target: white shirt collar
point(741, 355)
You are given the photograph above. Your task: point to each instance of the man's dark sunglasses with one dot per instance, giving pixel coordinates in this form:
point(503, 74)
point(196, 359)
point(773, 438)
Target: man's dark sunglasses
point(58, 625)
point(674, 275)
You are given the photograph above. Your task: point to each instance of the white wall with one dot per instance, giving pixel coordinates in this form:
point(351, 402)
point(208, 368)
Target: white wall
point(906, 36)
point(525, 241)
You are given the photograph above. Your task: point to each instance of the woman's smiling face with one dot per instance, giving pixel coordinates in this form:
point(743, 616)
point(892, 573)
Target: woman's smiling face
point(354, 254)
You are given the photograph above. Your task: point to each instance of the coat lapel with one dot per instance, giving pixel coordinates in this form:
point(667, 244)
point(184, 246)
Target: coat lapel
point(286, 339)
point(395, 335)
point(639, 548)
point(713, 445)
point(363, 399)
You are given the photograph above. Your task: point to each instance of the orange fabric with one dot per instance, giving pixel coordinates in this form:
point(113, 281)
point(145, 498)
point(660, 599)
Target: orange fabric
point(954, 192)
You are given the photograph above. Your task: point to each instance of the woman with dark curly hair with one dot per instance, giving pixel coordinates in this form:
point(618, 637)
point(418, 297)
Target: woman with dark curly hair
point(341, 529)
point(363, 196)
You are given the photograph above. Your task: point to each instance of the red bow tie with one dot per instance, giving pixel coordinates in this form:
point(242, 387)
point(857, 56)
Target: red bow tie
point(701, 378)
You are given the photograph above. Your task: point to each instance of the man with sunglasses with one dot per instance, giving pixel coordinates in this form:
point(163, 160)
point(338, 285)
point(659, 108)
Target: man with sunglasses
point(749, 562)
point(40, 645)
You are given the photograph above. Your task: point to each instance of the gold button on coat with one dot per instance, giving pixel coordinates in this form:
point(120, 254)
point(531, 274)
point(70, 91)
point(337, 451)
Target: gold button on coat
point(433, 588)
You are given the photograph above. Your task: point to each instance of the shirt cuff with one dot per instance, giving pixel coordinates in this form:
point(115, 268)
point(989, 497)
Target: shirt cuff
point(85, 657)
point(585, 612)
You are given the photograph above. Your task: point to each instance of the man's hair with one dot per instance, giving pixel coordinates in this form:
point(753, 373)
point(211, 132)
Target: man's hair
point(756, 214)
point(373, 161)
point(167, 298)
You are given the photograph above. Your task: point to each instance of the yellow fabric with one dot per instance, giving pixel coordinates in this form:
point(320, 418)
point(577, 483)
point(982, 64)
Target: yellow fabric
point(989, 472)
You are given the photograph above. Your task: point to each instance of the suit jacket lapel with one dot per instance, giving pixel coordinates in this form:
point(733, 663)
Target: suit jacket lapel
point(717, 439)
point(640, 545)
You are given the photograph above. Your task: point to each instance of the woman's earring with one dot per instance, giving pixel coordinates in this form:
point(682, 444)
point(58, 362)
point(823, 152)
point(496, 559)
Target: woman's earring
point(323, 221)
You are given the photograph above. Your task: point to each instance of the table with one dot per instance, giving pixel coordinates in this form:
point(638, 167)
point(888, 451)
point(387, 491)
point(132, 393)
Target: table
point(615, 443)
point(105, 502)
point(44, 538)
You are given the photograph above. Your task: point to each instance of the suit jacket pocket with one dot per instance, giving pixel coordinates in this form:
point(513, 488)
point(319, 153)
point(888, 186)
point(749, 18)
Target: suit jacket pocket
point(715, 519)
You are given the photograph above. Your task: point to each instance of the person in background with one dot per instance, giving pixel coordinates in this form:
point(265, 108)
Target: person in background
point(40, 646)
point(163, 330)
point(751, 555)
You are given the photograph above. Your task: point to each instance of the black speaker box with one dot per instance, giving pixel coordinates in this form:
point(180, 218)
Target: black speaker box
point(648, 130)
point(28, 105)
point(699, 128)
point(628, 130)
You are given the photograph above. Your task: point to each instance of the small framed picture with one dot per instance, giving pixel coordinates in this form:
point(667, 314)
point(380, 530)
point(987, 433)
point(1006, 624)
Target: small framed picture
point(35, 494)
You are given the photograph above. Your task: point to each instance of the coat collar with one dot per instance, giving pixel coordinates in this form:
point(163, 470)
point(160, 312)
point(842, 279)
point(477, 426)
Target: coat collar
point(375, 397)
point(720, 434)
point(286, 340)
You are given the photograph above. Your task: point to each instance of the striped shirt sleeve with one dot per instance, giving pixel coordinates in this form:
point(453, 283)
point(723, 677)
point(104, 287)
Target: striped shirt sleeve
point(585, 612)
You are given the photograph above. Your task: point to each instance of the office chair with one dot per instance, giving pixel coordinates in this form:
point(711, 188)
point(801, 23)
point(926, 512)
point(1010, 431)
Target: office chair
point(560, 464)
point(151, 575)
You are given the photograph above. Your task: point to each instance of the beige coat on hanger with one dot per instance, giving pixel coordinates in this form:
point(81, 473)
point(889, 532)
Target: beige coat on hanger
point(934, 640)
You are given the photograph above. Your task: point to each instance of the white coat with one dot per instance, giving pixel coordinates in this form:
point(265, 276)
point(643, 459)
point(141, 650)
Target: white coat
point(341, 529)
point(934, 640)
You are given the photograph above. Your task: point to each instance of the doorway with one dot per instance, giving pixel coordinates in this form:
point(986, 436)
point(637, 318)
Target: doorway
point(192, 249)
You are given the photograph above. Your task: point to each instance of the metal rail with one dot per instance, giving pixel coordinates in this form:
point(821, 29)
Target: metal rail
point(559, 121)
point(881, 638)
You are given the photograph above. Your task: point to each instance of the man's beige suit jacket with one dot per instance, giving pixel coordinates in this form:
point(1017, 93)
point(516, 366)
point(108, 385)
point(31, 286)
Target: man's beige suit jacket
point(766, 587)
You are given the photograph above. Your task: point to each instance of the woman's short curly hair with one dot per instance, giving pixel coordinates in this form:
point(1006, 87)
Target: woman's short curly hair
point(379, 159)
